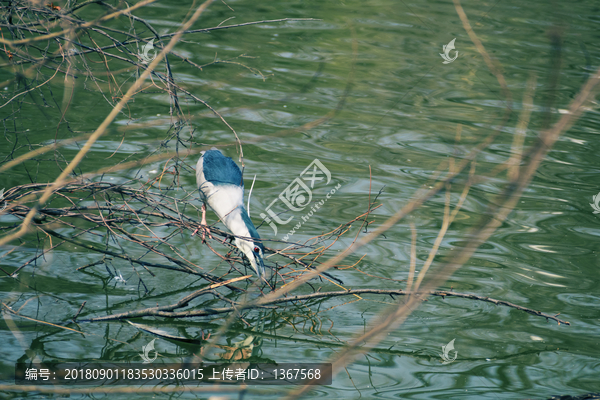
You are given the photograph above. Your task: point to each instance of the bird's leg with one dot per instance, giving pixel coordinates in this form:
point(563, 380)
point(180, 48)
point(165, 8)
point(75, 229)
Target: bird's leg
point(203, 224)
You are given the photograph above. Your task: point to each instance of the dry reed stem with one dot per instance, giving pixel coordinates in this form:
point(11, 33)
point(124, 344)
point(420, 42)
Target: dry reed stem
point(413, 256)
point(520, 132)
point(492, 65)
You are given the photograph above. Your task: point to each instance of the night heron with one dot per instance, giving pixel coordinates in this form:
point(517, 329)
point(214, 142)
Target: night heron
point(221, 185)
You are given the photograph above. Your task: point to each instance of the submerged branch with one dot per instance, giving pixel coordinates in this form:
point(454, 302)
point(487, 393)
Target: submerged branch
point(167, 311)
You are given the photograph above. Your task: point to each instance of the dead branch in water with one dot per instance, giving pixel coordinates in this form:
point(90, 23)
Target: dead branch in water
point(121, 219)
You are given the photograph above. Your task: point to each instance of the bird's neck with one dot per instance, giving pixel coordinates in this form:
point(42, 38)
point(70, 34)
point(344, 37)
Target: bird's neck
point(235, 221)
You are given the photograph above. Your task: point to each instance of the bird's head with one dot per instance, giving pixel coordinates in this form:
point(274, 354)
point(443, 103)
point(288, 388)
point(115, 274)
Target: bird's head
point(254, 251)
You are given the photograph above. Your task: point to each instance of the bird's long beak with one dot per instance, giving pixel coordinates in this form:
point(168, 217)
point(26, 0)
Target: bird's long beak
point(260, 267)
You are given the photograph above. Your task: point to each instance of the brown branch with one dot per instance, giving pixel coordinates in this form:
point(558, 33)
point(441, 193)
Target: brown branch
point(12, 43)
point(164, 311)
point(159, 311)
point(8, 309)
point(205, 275)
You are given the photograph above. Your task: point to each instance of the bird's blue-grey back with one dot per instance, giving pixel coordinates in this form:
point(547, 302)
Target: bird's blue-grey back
point(221, 184)
point(221, 170)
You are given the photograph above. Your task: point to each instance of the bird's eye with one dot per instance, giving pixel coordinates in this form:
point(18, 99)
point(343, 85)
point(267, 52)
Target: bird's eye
point(256, 249)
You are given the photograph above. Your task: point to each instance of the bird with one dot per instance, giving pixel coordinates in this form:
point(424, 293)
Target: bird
point(221, 185)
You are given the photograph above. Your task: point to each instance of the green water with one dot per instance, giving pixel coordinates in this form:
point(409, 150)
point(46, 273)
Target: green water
point(398, 111)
